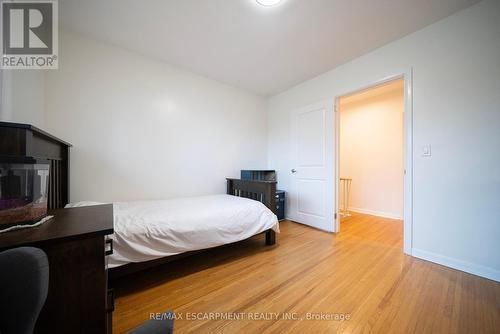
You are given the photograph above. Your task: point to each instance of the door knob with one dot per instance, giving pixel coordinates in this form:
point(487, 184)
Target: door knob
point(294, 171)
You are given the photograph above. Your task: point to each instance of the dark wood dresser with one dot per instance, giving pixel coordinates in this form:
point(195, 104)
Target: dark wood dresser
point(75, 242)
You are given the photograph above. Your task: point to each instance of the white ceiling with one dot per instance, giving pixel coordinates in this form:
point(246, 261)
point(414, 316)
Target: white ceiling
point(262, 49)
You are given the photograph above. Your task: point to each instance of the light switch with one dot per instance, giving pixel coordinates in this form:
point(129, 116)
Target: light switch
point(426, 151)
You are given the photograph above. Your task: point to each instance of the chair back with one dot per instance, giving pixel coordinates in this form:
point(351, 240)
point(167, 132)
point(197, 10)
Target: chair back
point(24, 281)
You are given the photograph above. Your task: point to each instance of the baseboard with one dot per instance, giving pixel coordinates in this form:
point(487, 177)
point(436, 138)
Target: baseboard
point(467, 267)
point(377, 213)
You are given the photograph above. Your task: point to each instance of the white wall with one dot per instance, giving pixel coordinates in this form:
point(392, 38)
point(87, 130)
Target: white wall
point(456, 81)
point(371, 149)
point(22, 96)
point(142, 129)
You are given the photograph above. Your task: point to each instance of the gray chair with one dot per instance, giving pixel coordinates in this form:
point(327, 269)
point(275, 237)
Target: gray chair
point(24, 281)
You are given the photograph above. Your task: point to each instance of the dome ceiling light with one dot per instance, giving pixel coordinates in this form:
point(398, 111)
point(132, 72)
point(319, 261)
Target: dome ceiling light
point(268, 3)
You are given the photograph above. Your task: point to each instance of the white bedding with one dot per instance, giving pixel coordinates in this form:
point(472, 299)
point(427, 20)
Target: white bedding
point(148, 230)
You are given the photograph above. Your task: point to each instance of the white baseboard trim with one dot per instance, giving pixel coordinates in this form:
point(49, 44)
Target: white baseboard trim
point(467, 267)
point(377, 213)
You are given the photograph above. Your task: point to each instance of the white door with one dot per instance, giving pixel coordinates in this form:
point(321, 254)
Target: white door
point(312, 188)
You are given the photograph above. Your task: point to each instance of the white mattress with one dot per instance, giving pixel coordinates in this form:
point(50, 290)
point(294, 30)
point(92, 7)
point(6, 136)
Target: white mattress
point(149, 230)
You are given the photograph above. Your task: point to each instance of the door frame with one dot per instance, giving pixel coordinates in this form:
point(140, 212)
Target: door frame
point(407, 77)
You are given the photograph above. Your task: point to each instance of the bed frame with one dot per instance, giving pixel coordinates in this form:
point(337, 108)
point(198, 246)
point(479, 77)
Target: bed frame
point(262, 191)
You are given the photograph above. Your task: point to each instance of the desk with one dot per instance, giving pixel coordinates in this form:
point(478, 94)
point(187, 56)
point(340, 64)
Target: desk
point(75, 243)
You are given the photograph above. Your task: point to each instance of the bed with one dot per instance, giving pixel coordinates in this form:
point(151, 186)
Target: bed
point(149, 233)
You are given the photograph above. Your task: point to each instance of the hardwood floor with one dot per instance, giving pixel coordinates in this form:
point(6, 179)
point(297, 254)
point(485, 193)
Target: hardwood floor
point(361, 273)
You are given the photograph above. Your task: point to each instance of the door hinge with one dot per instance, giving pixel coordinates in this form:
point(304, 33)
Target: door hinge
point(335, 216)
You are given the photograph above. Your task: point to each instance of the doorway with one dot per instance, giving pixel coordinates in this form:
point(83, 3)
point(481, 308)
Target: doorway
point(373, 155)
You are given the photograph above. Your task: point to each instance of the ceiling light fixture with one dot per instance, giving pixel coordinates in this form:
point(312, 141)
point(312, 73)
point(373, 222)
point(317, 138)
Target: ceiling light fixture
point(268, 2)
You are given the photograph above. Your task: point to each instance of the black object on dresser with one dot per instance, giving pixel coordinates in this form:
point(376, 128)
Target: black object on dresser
point(267, 175)
point(74, 241)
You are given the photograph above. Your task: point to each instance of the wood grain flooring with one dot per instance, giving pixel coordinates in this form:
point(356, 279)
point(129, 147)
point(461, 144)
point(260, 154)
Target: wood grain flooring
point(358, 281)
